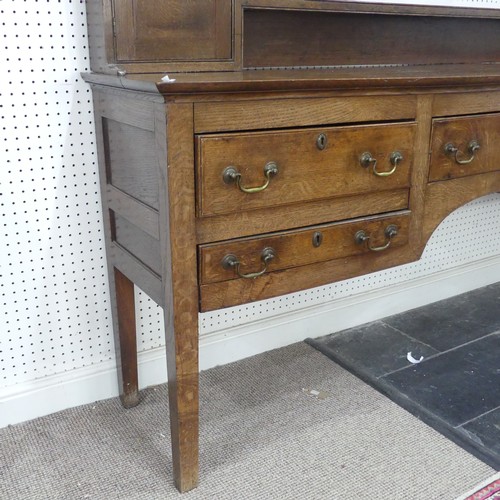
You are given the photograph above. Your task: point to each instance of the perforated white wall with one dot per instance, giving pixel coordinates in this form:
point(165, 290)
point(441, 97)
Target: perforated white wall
point(54, 295)
point(53, 287)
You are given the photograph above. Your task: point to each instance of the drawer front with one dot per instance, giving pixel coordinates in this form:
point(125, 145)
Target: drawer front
point(293, 166)
point(250, 257)
point(464, 146)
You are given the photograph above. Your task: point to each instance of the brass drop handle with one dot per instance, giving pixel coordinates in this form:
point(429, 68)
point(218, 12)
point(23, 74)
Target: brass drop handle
point(231, 176)
point(472, 147)
point(230, 261)
point(366, 159)
point(390, 232)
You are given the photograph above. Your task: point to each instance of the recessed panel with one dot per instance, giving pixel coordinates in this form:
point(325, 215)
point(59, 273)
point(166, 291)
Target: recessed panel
point(175, 30)
point(137, 242)
point(131, 161)
point(286, 38)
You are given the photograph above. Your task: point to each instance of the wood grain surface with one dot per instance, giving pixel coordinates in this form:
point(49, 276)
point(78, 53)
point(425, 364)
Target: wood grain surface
point(181, 290)
point(465, 103)
point(460, 131)
point(442, 198)
point(297, 248)
point(240, 291)
point(232, 114)
point(169, 219)
point(235, 225)
point(306, 173)
point(287, 38)
point(127, 345)
point(174, 30)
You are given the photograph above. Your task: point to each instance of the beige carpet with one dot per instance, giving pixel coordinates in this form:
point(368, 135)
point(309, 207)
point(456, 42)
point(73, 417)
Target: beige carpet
point(262, 437)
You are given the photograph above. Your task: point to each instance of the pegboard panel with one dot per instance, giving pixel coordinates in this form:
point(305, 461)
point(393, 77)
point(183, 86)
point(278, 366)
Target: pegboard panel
point(54, 302)
point(54, 299)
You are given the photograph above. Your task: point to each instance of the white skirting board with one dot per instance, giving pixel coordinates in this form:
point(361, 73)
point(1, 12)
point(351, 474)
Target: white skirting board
point(44, 396)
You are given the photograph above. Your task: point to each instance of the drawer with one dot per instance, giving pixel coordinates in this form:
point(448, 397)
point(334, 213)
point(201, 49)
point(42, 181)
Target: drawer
point(286, 167)
point(464, 146)
point(253, 257)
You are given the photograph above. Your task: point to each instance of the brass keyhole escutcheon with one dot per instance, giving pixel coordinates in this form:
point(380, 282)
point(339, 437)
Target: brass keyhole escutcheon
point(321, 141)
point(317, 239)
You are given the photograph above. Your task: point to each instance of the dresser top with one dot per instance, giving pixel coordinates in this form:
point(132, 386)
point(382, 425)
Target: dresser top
point(383, 77)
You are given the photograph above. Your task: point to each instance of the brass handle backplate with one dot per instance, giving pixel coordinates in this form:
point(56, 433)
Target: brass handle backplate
point(366, 159)
point(230, 261)
point(232, 176)
point(362, 237)
point(472, 147)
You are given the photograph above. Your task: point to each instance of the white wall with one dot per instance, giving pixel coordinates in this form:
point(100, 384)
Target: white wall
point(56, 346)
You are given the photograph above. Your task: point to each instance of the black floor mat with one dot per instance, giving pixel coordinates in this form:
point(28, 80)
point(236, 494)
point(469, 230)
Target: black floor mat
point(456, 387)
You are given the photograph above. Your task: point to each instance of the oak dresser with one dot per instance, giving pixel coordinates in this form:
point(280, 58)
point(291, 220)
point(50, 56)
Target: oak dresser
point(253, 148)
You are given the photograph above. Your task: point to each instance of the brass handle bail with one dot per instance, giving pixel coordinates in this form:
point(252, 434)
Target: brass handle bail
point(232, 176)
point(230, 261)
point(366, 159)
point(362, 237)
point(451, 149)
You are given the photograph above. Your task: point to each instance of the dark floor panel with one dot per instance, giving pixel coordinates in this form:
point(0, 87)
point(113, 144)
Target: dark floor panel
point(375, 349)
point(456, 386)
point(452, 322)
point(486, 430)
